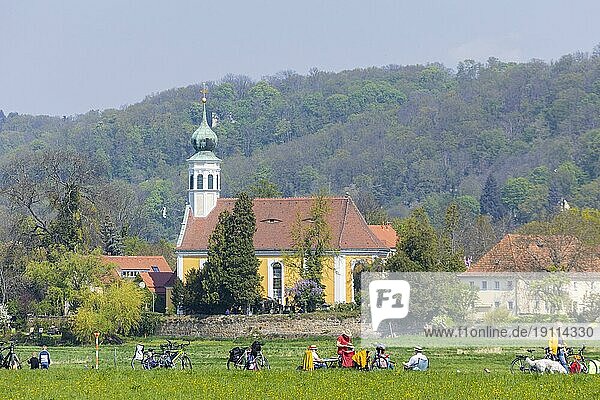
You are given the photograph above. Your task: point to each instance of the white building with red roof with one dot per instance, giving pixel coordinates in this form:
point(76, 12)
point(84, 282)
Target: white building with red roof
point(154, 272)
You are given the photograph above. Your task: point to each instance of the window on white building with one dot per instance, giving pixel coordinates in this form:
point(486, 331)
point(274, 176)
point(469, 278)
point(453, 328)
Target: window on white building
point(483, 285)
point(509, 285)
point(496, 285)
point(511, 305)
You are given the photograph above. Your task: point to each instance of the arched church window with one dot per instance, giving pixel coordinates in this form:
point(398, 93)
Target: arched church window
point(210, 181)
point(200, 181)
point(277, 280)
point(191, 181)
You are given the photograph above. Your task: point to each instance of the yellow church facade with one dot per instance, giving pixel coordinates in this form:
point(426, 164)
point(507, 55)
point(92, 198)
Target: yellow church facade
point(351, 239)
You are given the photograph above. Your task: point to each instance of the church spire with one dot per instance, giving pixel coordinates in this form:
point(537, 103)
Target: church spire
point(204, 168)
point(204, 139)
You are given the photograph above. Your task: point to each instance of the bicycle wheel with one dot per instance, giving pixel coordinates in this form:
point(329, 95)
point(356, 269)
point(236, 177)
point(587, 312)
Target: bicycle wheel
point(186, 363)
point(14, 362)
point(264, 363)
point(519, 365)
point(242, 362)
point(593, 367)
point(149, 363)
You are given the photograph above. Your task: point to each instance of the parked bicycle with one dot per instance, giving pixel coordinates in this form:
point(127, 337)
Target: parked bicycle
point(251, 358)
point(11, 359)
point(578, 363)
point(519, 364)
point(172, 354)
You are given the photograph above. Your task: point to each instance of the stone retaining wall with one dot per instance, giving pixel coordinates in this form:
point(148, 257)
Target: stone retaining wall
point(241, 326)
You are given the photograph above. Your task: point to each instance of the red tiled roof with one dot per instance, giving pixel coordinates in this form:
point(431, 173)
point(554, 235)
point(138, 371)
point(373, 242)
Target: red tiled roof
point(533, 253)
point(157, 282)
point(139, 263)
point(275, 219)
point(386, 234)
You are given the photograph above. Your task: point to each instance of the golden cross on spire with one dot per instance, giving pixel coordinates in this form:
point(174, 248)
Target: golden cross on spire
point(204, 91)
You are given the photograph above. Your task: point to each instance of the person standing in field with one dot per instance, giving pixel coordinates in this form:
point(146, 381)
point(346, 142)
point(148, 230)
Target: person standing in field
point(345, 349)
point(44, 358)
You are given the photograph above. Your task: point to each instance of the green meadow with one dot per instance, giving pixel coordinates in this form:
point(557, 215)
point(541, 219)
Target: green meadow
point(454, 374)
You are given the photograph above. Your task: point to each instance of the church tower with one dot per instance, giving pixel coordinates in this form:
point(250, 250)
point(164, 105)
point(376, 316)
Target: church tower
point(204, 185)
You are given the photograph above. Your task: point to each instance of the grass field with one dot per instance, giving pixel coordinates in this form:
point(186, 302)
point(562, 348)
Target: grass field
point(455, 374)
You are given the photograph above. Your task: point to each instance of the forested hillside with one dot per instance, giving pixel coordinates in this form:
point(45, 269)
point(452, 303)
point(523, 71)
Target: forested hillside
point(392, 137)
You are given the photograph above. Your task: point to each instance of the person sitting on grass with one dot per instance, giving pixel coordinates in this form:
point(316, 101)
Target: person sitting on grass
point(418, 362)
point(34, 362)
point(317, 361)
point(44, 358)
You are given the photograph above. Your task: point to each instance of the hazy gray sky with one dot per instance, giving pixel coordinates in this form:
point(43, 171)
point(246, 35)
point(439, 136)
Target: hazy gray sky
point(69, 56)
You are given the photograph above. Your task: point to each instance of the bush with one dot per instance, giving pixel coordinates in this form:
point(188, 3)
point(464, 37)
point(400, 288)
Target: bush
point(307, 294)
point(148, 324)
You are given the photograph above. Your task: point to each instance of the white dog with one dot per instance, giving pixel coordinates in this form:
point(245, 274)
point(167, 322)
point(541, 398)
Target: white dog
point(546, 365)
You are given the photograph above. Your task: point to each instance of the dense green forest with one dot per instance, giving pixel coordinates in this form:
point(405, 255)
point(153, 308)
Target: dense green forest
point(455, 159)
point(394, 138)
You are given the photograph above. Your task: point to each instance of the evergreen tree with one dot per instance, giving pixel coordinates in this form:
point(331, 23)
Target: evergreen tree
point(112, 243)
point(178, 295)
point(491, 199)
point(212, 274)
point(241, 285)
point(451, 258)
point(192, 292)
point(230, 276)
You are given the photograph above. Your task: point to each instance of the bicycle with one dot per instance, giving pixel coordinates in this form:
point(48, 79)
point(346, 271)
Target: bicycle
point(11, 359)
point(251, 358)
point(519, 364)
point(175, 353)
point(580, 365)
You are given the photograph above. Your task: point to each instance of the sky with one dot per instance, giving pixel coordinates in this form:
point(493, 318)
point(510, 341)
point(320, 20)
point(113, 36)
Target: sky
point(70, 56)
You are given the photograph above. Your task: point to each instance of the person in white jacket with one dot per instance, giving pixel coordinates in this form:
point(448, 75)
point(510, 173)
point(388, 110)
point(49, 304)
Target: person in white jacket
point(418, 362)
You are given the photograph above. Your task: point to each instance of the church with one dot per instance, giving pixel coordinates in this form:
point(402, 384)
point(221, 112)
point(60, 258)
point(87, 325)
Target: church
point(351, 240)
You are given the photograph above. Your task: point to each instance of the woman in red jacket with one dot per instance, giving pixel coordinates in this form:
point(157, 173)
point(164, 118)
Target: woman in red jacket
point(345, 349)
